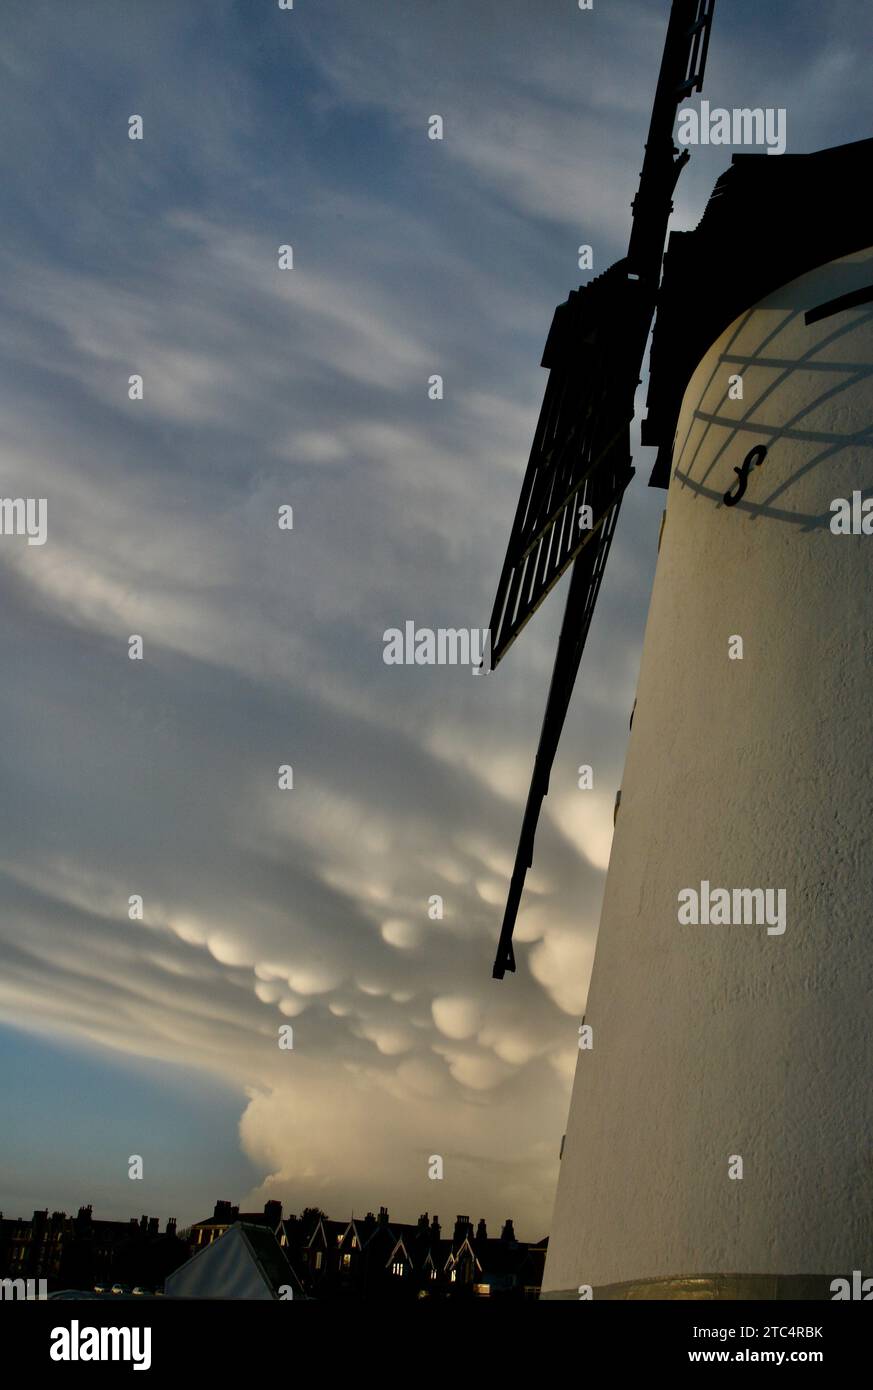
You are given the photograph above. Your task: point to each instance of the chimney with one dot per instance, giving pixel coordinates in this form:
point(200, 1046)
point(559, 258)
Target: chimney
point(154, 1226)
point(171, 1226)
point(507, 1233)
point(273, 1213)
point(222, 1212)
point(383, 1216)
point(435, 1228)
point(482, 1230)
point(463, 1228)
point(423, 1222)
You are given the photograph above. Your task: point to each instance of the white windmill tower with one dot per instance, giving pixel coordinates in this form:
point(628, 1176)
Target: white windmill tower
point(720, 1139)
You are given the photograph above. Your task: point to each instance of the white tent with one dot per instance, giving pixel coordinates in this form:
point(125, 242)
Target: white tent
point(245, 1263)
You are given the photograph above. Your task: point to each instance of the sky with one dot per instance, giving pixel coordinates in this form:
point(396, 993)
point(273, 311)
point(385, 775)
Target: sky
point(263, 647)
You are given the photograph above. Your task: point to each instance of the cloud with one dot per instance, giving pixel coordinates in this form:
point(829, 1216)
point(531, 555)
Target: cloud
point(455, 1016)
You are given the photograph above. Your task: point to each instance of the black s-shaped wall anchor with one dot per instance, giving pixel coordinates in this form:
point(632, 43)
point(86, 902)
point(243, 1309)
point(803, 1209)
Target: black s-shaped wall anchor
point(754, 457)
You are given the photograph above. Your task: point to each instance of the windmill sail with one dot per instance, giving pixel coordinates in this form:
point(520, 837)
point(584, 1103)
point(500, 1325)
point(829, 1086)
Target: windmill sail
point(580, 461)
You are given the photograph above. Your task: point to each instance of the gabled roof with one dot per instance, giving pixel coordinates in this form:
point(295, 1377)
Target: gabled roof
point(357, 1228)
point(399, 1246)
point(246, 1262)
point(328, 1230)
point(455, 1255)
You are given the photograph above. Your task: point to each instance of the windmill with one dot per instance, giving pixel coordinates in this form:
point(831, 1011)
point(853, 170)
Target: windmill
point(580, 462)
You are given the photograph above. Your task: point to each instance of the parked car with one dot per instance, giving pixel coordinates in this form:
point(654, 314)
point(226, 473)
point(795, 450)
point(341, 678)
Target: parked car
point(117, 1288)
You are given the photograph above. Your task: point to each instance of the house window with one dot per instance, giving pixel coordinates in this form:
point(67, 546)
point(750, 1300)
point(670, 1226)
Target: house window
point(347, 1259)
point(318, 1259)
point(453, 1276)
point(397, 1267)
point(354, 1242)
point(339, 1239)
point(433, 1274)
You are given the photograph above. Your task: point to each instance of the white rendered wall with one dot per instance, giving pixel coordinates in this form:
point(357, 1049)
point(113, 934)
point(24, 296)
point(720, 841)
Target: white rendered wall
point(712, 1041)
